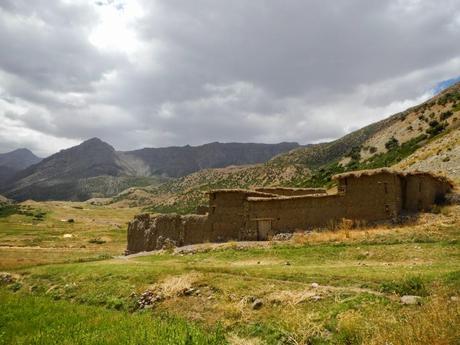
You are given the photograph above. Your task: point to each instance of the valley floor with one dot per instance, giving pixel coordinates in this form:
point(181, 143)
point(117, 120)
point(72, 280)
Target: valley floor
point(337, 287)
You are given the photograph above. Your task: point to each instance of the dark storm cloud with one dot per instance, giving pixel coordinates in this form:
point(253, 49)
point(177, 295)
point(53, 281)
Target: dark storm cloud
point(209, 70)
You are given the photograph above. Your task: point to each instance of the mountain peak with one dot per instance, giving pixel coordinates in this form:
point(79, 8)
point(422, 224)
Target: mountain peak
point(18, 159)
point(95, 143)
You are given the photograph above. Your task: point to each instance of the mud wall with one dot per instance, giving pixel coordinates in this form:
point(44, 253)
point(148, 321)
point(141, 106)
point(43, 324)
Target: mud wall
point(291, 214)
point(150, 232)
point(291, 191)
point(226, 215)
point(372, 198)
point(422, 191)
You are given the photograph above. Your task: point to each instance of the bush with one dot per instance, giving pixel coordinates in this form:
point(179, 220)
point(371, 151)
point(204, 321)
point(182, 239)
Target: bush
point(409, 286)
point(436, 128)
point(445, 115)
point(392, 144)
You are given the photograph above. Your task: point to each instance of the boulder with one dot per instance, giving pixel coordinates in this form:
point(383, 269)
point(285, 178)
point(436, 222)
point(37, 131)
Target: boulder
point(257, 304)
point(411, 300)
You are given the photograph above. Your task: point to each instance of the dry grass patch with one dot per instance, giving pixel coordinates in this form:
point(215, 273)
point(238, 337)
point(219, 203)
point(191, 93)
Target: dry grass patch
point(176, 285)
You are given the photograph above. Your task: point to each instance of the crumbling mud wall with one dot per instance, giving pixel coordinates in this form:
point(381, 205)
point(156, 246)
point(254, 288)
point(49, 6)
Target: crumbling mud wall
point(150, 232)
point(423, 190)
point(291, 191)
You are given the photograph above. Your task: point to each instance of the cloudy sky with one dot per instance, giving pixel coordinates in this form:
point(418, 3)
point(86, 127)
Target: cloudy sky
point(141, 73)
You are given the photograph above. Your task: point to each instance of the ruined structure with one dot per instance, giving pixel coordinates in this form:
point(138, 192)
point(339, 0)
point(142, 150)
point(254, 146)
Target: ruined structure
point(236, 214)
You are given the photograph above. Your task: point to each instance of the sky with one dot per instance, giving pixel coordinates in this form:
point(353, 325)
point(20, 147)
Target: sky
point(153, 73)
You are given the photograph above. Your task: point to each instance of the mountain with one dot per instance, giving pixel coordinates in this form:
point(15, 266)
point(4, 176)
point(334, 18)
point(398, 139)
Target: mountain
point(95, 169)
point(181, 161)
point(74, 174)
point(14, 161)
point(425, 137)
point(18, 159)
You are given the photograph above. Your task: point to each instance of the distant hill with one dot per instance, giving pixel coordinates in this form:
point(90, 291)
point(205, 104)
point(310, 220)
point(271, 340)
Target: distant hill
point(95, 169)
point(180, 161)
point(14, 161)
point(18, 159)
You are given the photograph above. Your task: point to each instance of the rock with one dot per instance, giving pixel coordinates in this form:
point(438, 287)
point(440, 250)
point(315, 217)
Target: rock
point(6, 278)
point(411, 300)
point(454, 298)
point(314, 285)
point(282, 237)
point(257, 304)
point(287, 263)
point(71, 220)
point(190, 291)
point(67, 236)
point(316, 298)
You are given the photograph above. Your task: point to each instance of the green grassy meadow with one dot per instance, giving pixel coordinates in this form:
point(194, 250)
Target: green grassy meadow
point(80, 291)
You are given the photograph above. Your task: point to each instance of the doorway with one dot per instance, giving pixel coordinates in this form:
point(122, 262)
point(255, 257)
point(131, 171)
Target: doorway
point(264, 227)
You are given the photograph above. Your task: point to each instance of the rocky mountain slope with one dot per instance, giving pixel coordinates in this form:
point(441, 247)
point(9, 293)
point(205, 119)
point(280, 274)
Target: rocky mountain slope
point(385, 143)
point(441, 155)
point(95, 169)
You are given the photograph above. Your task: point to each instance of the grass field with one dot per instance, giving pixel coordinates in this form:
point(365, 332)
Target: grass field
point(71, 291)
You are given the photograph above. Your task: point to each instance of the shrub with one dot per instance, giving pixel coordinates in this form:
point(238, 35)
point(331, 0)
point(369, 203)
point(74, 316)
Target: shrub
point(409, 286)
point(445, 115)
point(392, 144)
point(436, 128)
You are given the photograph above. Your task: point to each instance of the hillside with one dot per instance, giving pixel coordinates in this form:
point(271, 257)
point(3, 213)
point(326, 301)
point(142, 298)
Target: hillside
point(381, 144)
point(441, 155)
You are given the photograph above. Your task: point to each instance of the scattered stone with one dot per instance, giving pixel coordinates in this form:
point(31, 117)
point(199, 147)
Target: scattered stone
point(257, 304)
point(314, 285)
point(316, 298)
point(190, 291)
point(6, 278)
point(411, 300)
point(282, 237)
point(148, 299)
